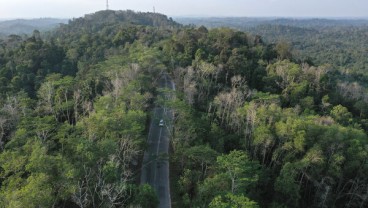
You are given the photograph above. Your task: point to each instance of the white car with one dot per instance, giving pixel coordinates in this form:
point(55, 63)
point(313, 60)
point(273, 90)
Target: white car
point(161, 123)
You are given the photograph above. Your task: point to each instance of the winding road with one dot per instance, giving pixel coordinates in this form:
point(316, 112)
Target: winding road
point(155, 167)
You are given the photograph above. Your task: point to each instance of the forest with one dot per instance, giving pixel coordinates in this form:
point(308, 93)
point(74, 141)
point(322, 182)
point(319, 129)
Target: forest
point(27, 26)
point(339, 42)
point(255, 125)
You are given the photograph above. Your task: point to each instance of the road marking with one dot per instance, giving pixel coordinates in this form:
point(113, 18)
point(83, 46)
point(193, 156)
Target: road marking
point(151, 124)
point(158, 147)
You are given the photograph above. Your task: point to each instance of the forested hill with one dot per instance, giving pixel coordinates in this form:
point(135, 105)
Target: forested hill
point(100, 20)
point(341, 43)
point(343, 47)
point(252, 125)
point(95, 34)
point(244, 23)
point(91, 21)
point(74, 104)
point(27, 26)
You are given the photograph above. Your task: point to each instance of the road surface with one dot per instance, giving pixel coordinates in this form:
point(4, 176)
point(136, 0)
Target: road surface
point(155, 167)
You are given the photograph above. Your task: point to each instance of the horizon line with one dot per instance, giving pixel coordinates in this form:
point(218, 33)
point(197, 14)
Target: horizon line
point(202, 16)
point(208, 17)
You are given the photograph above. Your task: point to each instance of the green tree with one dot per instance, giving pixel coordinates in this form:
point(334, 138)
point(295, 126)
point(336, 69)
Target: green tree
point(232, 201)
point(239, 169)
point(341, 114)
point(283, 50)
point(146, 197)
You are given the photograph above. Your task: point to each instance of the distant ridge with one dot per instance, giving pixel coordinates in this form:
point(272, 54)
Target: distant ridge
point(27, 26)
point(247, 22)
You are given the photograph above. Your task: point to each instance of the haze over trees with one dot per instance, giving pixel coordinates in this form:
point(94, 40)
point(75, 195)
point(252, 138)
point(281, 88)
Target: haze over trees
point(254, 125)
point(27, 26)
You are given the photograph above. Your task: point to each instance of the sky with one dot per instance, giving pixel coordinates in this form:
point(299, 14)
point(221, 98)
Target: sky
point(10, 9)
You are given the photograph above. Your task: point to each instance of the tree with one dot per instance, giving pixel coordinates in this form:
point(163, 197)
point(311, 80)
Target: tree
point(146, 197)
point(227, 103)
point(211, 187)
point(341, 114)
point(287, 186)
point(238, 169)
point(232, 201)
point(283, 50)
point(201, 156)
point(264, 140)
point(285, 74)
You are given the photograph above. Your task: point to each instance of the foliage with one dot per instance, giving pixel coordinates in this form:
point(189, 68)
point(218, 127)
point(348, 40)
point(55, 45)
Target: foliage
point(253, 125)
point(230, 201)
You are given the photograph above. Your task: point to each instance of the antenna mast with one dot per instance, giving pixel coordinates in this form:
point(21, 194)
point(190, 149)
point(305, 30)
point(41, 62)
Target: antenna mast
point(107, 4)
point(154, 10)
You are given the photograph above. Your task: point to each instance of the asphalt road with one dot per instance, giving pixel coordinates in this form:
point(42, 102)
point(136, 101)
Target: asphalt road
point(155, 168)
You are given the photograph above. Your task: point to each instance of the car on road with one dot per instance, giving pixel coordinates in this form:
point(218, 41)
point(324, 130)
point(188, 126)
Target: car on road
point(161, 123)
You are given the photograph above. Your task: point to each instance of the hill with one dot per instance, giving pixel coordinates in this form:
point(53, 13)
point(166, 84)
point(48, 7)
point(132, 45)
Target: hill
point(343, 47)
point(27, 26)
point(251, 124)
point(109, 18)
point(244, 23)
point(341, 43)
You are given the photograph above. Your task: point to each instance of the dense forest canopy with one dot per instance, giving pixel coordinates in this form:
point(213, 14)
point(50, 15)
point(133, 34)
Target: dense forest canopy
point(248, 22)
point(254, 125)
point(339, 42)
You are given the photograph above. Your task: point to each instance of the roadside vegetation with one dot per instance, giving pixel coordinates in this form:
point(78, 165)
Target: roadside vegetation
point(254, 126)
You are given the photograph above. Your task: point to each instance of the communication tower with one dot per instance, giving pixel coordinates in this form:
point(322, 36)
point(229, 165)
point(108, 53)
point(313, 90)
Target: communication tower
point(154, 9)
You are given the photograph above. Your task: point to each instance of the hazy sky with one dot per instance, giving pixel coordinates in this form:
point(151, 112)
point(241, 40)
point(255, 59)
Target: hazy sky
point(285, 8)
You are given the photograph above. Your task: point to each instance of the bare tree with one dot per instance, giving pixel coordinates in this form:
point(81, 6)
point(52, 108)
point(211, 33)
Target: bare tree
point(228, 102)
point(3, 123)
point(190, 85)
point(80, 196)
point(9, 116)
point(46, 95)
point(351, 90)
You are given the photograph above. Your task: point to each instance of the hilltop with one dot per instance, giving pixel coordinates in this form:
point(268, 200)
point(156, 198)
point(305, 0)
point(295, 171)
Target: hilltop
point(96, 21)
point(92, 22)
